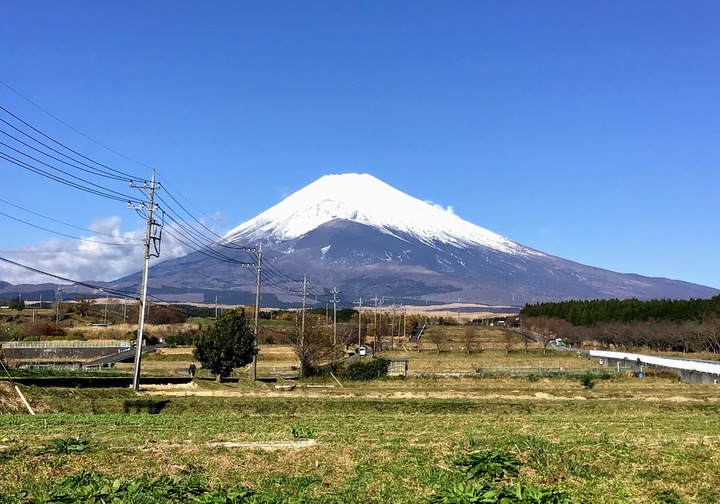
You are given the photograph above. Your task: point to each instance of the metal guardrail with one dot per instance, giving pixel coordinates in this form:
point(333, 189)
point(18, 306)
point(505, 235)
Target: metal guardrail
point(667, 362)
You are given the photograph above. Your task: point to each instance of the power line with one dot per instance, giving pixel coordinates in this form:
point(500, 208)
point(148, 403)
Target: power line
point(70, 127)
point(65, 279)
point(63, 234)
point(108, 194)
point(61, 222)
point(89, 168)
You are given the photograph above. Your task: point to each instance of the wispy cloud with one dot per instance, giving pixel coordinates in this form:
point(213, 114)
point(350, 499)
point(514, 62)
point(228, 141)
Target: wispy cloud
point(449, 209)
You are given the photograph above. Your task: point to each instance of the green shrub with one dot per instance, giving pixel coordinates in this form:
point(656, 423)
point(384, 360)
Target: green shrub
point(587, 381)
point(367, 369)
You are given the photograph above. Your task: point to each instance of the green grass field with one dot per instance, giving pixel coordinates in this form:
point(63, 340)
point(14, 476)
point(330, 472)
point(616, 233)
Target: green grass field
point(624, 440)
point(393, 440)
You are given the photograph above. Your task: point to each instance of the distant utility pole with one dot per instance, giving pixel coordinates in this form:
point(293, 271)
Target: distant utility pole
point(106, 305)
point(257, 309)
point(334, 292)
point(304, 304)
point(392, 329)
point(377, 333)
point(58, 299)
point(216, 307)
point(301, 345)
point(359, 303)
point(146, 264)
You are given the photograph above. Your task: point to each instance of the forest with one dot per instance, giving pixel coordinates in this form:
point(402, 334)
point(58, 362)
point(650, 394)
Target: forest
point(687, 326)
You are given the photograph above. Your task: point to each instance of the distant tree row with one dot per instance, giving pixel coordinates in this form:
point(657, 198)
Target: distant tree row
point(590, 313)
point(688, 336)
point(16, 303)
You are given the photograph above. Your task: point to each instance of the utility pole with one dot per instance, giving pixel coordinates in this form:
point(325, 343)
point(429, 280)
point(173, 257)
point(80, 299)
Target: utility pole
point(334, 292)
point(216, 307)
point(58, 298)
point(359, 303)
point(392, 329)
point(301, 346)
point(146, 265)
point(304, 304)
point(257, 310)
point(377, 333)
point(106, 305)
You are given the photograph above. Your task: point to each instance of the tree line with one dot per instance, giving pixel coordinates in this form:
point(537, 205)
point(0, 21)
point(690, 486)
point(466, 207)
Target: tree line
point(686, 326)
point(589, 313)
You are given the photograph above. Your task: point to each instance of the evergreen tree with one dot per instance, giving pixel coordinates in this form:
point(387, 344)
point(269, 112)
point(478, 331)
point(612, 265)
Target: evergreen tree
point(228, 344)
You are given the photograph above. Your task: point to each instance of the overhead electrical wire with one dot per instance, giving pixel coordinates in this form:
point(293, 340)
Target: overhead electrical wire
point(66, 235)
point(70, 149)
point(117, 196)
point(63, 223)
point(88, 168)
point(115, 292)
point(62, 171)
point(185, 233)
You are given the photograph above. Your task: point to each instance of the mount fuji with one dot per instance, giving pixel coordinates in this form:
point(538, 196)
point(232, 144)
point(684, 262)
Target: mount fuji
point(358, 234)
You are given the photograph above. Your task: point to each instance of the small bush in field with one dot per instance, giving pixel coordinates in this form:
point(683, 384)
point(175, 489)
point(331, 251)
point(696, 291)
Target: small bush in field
point(367, 370)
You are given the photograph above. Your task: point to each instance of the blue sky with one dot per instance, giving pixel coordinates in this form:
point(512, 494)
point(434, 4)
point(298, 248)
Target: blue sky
point(587, 130)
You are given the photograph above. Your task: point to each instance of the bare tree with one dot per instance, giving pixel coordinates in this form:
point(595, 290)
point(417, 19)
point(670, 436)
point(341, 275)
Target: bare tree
point(508, 337)
point(437, 338)
point(313, 347)
point(468, 338)
point(347, 334)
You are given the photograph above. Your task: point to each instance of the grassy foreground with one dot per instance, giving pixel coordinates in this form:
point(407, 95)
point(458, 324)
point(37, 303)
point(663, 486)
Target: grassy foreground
point(624, 441)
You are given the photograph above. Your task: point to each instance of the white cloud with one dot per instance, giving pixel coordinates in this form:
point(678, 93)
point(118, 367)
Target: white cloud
point(109, 254)
point(219, 218)
point(448, 209)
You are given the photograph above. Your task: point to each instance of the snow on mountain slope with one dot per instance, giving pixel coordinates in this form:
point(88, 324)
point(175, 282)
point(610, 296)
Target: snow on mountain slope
point(366, 200)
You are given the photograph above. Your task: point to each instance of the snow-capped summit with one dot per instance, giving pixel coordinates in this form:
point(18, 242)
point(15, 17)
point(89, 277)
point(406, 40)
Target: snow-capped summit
point(363, 199)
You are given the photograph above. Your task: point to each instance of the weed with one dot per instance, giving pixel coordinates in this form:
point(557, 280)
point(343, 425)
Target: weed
point(667, 497)
point(491, 465)
point(65, 446)
point(97, 487)
point(708, 496)
point(462, 493)
point(302, 433)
